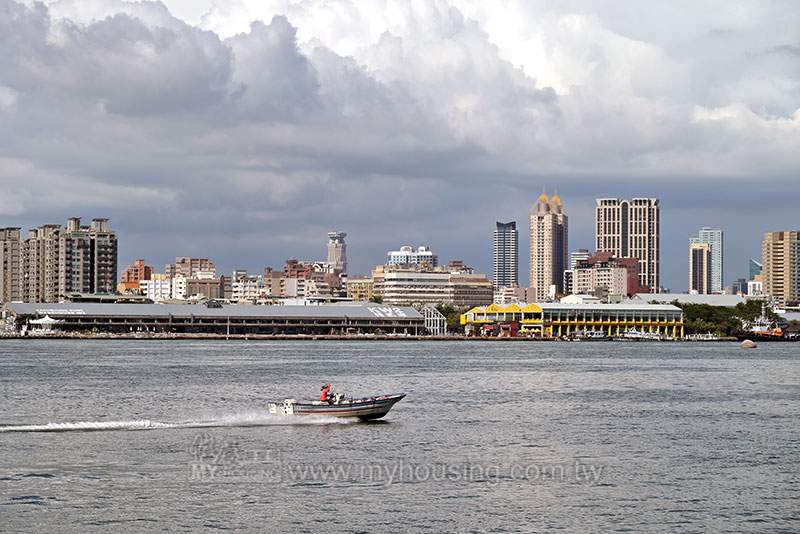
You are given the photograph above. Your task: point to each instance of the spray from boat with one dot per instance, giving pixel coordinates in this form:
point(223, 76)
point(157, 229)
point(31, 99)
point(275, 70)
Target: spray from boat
point(235, 419)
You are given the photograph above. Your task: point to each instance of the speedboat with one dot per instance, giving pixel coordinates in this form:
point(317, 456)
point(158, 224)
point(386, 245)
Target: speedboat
point(363, 409)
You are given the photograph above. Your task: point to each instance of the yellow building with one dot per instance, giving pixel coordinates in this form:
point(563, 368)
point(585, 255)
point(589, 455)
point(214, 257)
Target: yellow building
point(557, 319)
point(360, 289)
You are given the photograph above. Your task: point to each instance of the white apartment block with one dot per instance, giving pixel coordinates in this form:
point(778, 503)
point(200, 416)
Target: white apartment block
point(407, 255)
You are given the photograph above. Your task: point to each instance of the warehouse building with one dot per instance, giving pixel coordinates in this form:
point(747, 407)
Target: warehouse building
point(214, 318)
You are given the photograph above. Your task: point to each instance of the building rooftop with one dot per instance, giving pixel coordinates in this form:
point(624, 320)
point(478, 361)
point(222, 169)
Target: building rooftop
point(685, 298)
point(625, 306)
point(354, 310)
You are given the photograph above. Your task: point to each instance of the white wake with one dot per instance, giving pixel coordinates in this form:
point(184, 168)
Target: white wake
point(237, 419)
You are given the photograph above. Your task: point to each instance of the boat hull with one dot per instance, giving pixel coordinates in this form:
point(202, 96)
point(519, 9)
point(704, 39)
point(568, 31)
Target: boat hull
point(362, 409)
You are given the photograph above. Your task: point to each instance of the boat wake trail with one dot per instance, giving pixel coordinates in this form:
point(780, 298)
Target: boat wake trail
point(237, 419)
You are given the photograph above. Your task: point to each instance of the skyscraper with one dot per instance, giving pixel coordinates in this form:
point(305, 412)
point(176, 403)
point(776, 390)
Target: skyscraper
point(631, 229)
point(754, 268)
point(781, 259)
point(549, 238)
point(505, 255)
point(700, 268)
point(337, 251)
point(713, 237)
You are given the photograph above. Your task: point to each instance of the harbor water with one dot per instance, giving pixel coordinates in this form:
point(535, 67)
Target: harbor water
point(174, 436)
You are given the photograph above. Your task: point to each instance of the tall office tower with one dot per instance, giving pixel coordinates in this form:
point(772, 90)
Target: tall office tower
point(10, 279)
point(712, 236)
point(781, 260)
point(39, 261)
point(87, 258)
point(700, 268)
point(505, 255)
point(754, 268)
point(630, 229)
point(549, 239)
point(337, 251)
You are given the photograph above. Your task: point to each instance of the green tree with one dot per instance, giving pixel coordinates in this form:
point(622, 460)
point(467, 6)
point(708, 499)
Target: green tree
point(453, 316)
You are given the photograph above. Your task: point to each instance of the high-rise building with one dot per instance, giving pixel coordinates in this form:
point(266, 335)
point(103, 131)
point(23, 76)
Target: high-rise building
point(505, 255)
point(337, 251)
point(40, 264)
point(87, 258)
point(700, 268)
point(781, 260)
point(549, 239)
point(407, 255)
point(754, 269)
point(714, 238)
point(631, 229)
point(10, 279)
point(56, 262)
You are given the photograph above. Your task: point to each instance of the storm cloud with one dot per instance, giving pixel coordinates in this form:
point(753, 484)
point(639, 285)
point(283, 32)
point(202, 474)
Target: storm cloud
point(249, 132)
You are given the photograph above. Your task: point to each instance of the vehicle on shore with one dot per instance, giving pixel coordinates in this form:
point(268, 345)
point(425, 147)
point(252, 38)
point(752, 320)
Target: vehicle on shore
point(363, 409)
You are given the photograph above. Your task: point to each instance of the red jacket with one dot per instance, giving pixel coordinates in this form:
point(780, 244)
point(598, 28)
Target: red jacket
point(323, 396)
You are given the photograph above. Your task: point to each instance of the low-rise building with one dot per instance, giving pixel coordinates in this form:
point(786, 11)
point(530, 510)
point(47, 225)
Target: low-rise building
point(188, 267)
point(604, 273)
point(206, 288)
point(159, 288)
point(755, 287)
point(360, 289)
point(339, 319)
point(419, 286)
point(407, 256)
point(137, 271)
point(549, 319)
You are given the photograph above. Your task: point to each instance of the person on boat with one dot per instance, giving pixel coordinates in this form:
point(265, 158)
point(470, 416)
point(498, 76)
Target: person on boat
point(325, 393)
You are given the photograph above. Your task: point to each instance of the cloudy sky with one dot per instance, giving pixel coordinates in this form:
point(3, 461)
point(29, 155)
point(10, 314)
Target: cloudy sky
point(244, 130)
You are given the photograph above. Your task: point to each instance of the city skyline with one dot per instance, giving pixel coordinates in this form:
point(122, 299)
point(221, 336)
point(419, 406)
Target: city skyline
point(228, 265)
point(385, 139)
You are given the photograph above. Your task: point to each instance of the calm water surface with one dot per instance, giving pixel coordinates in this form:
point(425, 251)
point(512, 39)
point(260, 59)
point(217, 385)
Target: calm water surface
point(501, 437)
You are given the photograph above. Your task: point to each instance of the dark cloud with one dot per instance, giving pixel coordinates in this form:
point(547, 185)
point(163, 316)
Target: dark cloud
point(248, 137)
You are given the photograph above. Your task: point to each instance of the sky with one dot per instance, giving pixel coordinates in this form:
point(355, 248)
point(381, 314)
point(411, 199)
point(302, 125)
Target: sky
point(245, 130)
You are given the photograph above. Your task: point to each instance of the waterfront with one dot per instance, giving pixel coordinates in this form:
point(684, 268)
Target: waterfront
point(681, 436)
